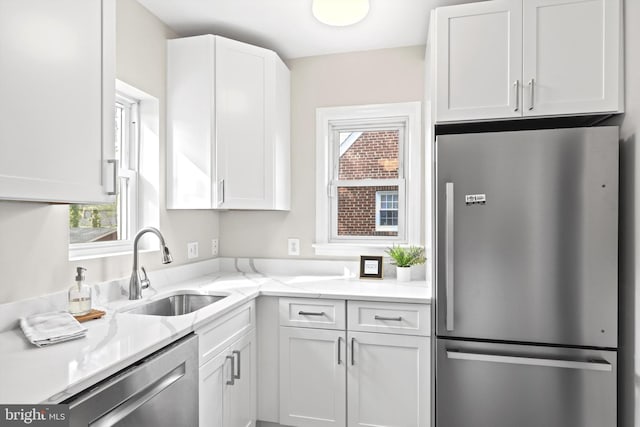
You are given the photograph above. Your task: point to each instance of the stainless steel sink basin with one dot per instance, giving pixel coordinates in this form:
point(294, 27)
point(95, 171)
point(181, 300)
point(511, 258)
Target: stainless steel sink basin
point(176, 304)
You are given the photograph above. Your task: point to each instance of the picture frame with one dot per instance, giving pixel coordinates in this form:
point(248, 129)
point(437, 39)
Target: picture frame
point(370, 267)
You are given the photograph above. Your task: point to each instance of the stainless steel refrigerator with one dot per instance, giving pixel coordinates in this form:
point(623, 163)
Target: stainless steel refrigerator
point(526, 290)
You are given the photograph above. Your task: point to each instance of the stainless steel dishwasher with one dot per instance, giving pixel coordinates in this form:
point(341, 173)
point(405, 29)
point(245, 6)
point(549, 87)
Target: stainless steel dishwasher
point(159, 390)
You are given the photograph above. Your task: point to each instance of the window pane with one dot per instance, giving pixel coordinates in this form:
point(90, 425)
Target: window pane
point(370, 154)
point(93, 223)
point(357, 211)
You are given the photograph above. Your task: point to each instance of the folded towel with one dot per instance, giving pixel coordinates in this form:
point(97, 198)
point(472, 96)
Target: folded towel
point(51, 328)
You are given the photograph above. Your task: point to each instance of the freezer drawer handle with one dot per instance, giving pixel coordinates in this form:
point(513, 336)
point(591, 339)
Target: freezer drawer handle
point(591, 365)
point(121, 411)
point(395, 319)
point(310, 313)
point(448, 238)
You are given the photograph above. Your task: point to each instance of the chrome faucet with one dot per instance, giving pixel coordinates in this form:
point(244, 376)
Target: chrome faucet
point(140, 280)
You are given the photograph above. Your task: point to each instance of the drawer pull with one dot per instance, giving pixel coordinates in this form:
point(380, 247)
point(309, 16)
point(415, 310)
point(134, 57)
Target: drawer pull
point(310, 313)
point(395, 319)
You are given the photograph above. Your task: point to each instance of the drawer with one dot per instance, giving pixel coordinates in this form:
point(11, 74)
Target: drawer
point(312, 313)
point(219, 334)
point(392, 318)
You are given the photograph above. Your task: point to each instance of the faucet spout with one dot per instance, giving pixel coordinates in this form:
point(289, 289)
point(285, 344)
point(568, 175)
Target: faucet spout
point(140, 280)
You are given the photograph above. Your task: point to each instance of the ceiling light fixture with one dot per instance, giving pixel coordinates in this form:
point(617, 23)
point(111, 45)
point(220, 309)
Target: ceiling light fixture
point(340, 13)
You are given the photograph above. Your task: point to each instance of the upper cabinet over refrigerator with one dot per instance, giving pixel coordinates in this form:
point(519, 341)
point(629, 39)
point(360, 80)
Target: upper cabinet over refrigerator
point(57, 62)
point(506, 59)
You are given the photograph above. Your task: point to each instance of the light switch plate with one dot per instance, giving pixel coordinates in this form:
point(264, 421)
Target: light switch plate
point(192, 250)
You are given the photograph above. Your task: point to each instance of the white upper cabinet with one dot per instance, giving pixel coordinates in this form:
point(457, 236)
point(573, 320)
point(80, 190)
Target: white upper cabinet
point(228, 126)
point(505, 59)
point(571, 61)
point(479, 60)
point(57, 62)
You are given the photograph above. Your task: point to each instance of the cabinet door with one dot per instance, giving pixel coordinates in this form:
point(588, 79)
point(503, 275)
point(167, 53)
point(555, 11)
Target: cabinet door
point(57, 64)
point(478, 61)
point(213, 377)
point(240, 396)
point(190, 123)
point(312, 377)
point(388, 378)
point(243, 146)
point(571, 51)
point(228, 386)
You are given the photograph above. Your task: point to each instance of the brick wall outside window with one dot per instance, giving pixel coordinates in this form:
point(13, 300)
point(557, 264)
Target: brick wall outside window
point(373, 155)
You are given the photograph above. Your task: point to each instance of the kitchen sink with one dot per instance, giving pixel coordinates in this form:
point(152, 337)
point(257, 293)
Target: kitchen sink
point(176, 304)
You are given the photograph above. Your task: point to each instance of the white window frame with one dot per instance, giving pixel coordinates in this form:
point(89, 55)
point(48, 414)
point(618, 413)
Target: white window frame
point(142, 175)
point(358, 117)
point(379, 195)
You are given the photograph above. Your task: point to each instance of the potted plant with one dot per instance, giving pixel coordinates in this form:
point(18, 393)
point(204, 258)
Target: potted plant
point(404, 258)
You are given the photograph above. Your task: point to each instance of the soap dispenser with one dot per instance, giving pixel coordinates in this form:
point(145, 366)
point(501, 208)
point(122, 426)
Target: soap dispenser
point(79, 295)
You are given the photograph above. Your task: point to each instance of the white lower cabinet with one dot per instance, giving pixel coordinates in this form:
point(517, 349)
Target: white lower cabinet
point(227, 376)
point(312, 377)
point(388, 380)
point(338, 377)
point(227, 386)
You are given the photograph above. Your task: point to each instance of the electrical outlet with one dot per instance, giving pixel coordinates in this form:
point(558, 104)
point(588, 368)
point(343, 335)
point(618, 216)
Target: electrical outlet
point(192, 250)
point(293, 247)
point(214, 247)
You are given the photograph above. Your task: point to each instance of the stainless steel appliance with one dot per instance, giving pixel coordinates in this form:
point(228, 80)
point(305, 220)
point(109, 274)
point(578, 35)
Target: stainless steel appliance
point(160, 390)
point(526, 288)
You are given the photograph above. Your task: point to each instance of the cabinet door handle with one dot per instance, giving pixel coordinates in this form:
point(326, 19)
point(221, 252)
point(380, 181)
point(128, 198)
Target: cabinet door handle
point(311, 313)
point(353, 346)
point(114, 183)
point(221, 192)
point(232, 378)
point(516, 88)
point(237, 353)
point(395, 319)
point(532, 84)
point(339, 352)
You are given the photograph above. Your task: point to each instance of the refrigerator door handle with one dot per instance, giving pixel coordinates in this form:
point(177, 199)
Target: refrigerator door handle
point(591, 365)
point(449, 254)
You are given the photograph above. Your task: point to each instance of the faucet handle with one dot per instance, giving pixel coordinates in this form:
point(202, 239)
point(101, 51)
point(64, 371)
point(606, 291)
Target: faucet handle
point(144, 281)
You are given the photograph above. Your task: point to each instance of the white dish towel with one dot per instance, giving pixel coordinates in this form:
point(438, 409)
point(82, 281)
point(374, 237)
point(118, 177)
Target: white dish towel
point(51, 328)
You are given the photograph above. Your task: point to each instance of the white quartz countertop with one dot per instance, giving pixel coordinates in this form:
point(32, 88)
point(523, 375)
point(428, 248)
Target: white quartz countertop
point(52, 374)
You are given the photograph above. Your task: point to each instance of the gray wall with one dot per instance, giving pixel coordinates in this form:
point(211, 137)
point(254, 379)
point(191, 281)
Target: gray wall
point(371, 77)
point(34, 236)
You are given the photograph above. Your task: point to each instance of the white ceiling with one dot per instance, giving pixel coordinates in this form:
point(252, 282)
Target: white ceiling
point(289, 28)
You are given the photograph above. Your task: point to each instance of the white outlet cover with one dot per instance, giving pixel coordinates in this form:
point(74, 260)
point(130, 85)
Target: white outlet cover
point(192, 250)
point(293, 247)
point(215, 247)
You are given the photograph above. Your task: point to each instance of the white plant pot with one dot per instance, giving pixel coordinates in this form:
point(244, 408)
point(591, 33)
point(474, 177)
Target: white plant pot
point(403, 274)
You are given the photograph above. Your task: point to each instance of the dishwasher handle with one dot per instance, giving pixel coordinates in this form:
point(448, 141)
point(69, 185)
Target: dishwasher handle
point(139, 398)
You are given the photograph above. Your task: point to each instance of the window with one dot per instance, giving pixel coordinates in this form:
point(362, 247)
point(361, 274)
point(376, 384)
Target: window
point(368, 178)
point(387, 211)
point(107, 229)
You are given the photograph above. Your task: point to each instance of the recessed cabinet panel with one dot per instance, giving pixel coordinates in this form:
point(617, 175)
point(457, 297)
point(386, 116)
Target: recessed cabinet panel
point(312, 377)
point(241, 138)
point(478, 60)
point(388, 380)
point(570, 56)
point(57, 63)
point(190, 124)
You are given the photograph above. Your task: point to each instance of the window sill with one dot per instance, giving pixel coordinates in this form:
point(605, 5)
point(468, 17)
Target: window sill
point(84, 253)
point(352, 249)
